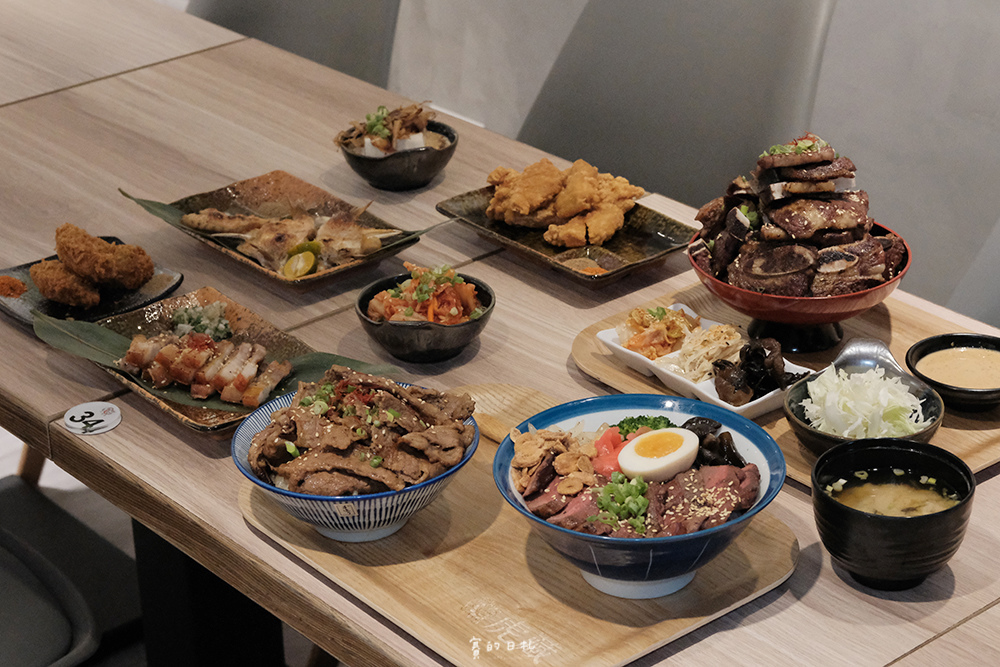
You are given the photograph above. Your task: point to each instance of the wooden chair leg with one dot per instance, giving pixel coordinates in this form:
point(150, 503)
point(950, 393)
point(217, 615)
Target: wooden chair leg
point(30, 466)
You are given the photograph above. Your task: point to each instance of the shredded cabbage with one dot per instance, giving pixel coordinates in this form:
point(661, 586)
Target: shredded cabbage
point(862, 405)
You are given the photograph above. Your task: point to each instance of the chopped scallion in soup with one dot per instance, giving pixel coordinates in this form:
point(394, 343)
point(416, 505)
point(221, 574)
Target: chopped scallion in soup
point(893, 492)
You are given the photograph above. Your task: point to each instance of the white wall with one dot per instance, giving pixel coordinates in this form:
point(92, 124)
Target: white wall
point(483, 60)
point(909, 91)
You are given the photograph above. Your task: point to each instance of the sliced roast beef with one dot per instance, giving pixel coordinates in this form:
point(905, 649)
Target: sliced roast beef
point(338, 484)
point(297, 471)
point(578, 513)
point(444, 443)
point(547, 502)
point(702, 498)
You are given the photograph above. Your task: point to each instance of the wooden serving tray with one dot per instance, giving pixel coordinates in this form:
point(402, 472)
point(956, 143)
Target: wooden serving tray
point(973, 437)
point(468, 578)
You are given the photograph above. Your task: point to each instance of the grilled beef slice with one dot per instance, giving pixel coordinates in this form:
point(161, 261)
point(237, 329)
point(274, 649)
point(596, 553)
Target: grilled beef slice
point(775, 269)
point(803, 218)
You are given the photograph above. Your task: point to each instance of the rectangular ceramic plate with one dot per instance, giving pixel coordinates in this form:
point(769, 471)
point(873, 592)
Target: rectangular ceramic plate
point(278, 194)
point(113, 302)
point(646, 237)
point(704, 390)
point(246, 326)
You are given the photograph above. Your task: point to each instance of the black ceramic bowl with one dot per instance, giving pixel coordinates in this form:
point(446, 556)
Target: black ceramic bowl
point(959, 398)
point(407, 169)
point(423, 342)
point(890, 552)
point(858, 356)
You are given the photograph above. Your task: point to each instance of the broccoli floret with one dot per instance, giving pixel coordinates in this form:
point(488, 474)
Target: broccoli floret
point(632, 424)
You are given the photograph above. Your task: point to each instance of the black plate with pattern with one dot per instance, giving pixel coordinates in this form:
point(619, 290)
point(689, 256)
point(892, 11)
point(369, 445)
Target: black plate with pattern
point(276, 195)
point(646, 237)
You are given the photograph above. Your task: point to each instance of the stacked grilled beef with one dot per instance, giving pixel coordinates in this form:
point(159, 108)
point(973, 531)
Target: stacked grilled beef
point(796, 227)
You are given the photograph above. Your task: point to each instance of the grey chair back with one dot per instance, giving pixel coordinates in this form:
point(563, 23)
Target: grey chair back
point(680, 96)
point(351, 36)
point(44, 619)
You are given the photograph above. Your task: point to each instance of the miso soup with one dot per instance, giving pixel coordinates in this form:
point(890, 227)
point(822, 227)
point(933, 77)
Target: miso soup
point(892, 492)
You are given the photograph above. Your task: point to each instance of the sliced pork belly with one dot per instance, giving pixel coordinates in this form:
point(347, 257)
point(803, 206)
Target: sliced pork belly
point(264, 384)
point(196, 349)
point(142, 351)
point(233, 366)
point(249, 370)
point(223, 350)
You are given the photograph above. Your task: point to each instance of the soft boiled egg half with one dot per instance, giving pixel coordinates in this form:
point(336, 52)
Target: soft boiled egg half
point(659, 455)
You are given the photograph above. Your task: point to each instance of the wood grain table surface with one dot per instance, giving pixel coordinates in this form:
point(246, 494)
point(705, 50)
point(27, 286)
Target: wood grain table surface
point(48, 45)
point(191, 108)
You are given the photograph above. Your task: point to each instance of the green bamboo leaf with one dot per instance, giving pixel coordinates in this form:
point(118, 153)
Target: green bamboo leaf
point(104, 346)
point(84, 339)
point(165, 212)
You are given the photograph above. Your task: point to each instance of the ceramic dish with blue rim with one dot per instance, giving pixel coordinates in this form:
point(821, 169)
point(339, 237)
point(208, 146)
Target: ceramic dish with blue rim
point(361, 518)
point(644, 567)
point(704, 390)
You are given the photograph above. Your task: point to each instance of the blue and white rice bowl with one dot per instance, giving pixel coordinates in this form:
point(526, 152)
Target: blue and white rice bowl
point(361, 518)
point(640, 568)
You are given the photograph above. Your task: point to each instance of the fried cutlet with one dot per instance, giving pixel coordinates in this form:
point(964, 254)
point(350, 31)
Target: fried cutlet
point(580, 192)
point(57, 283)
point(95, 259)
point(521, 194)
point(579, 206)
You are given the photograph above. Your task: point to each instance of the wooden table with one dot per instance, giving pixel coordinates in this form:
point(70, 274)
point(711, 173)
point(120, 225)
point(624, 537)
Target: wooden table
point(205, 108)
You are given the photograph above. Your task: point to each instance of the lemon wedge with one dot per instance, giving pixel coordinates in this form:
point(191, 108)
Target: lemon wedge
point(299, 264)
point(306, 246)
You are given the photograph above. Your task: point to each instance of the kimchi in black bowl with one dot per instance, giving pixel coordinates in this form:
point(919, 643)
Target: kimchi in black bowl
point(423, 341)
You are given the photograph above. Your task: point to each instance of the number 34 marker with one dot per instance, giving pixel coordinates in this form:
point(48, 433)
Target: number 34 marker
point(92, 418)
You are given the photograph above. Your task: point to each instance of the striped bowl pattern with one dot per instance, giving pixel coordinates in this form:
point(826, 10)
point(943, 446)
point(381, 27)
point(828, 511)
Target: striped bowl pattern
point(345, 518)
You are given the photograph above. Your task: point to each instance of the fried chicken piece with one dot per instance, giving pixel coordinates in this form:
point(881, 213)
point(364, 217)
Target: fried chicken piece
point(581, 190)
point(594, 227)
point(618, 191)
point(101, 262)
point(517, 195)
point(58, 283)
point(572, 234)
point(214, 220)
point(586, 207)
point(603, 222)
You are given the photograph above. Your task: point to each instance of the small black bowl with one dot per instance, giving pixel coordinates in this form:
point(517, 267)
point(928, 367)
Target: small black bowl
point(959, 398)
point(858, 356)
point(407, 169)
point(890, 552)
point(423, 342)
